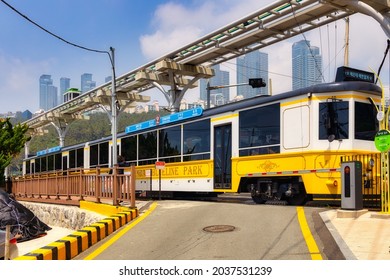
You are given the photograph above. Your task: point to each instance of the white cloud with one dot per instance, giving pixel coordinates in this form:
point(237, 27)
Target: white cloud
point(175, 25)
point(18, 82)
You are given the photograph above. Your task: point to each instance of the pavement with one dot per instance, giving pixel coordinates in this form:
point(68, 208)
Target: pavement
point(360, 234)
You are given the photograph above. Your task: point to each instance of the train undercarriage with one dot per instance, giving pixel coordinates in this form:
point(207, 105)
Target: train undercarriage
point(278, 191)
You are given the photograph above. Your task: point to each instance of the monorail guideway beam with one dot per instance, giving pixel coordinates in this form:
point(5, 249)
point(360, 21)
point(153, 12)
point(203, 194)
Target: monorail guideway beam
point(179, 77)
point(377, 9)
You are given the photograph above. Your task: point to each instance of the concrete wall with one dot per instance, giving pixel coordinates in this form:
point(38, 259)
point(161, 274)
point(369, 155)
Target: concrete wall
point(70, 217)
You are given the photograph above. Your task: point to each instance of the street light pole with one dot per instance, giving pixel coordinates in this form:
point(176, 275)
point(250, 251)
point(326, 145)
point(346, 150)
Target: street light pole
point(208, 93)
point(113, 112)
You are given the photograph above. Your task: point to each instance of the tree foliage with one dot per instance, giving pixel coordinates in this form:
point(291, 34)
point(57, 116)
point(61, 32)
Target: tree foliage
point(12, 140)
point(81, 131)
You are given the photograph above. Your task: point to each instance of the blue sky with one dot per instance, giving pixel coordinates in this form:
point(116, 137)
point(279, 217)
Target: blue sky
point(141, 31)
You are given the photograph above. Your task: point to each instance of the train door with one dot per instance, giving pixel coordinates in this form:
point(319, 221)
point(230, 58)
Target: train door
point(222, 157)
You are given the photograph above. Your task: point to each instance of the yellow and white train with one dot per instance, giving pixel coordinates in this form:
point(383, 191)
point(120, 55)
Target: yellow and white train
point(286, 147)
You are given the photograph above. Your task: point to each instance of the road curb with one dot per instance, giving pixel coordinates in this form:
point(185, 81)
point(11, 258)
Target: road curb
point(73, 244)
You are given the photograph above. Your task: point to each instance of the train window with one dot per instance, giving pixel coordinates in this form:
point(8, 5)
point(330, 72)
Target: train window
point(196, 140)
point(333, 120)
point(170, 141)
point(94, 155)
point(57, 162)
point(366, 123)
point(260, 130)
point(147, 143)
point(72, 159)
point(129, 148)
point(103, 153)
point(43, 164)
point(28, 167)
point(37, 166)
point(50, 163)
point(80, 157)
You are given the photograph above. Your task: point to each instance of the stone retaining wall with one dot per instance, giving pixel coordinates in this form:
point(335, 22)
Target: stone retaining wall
point(70, 217)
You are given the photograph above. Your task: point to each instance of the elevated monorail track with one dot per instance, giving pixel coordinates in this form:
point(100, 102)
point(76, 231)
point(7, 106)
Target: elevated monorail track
point(182, 68)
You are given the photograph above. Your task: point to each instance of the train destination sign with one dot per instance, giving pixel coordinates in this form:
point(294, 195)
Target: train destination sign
point(382, 140)
point(187, 114)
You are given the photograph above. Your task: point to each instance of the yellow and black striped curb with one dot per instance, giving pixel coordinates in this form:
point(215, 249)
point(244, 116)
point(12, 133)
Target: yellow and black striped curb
point(73, 244)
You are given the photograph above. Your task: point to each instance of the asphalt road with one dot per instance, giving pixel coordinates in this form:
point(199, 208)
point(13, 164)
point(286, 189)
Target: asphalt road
point(175, 230)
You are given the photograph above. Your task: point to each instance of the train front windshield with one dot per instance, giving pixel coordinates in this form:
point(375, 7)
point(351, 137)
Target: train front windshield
point(334, 121)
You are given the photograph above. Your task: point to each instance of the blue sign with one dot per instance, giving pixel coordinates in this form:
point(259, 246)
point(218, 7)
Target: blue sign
point(140, 126)
point(48, 151)
point(195, 112)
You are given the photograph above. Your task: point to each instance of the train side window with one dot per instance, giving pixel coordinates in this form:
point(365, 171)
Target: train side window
point(148, 145)
point(28, 170)
point(94, 155)
point(366, 123)
point(50, 163)
point(196, 140)
point(170, 141)
point(37, 166)
point(72, 159)
point(57, 162)
point(260, 130)
point(103, 153)
point(80, 157)
point(129, 148)
point(333, 120)
point(43, 164)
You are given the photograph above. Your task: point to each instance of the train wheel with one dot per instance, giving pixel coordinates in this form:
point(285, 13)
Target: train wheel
point(300, 198)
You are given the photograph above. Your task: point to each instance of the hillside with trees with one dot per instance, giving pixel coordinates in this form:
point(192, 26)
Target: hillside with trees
point(81, 131)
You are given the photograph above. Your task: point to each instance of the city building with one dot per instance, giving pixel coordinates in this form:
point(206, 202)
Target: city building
point(47, 93)
point(217, 96)
point(64, 86)
point(306, 65)
point(87, 83)
point(252, 65)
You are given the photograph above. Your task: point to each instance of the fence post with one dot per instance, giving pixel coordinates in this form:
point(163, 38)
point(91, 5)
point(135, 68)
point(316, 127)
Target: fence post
point(81, 184)
point(115, 185)
point(98, 185)
point(132, 187)
point(67, 185)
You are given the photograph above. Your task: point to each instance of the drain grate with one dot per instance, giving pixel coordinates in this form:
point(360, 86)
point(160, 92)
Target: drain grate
point(219, 228)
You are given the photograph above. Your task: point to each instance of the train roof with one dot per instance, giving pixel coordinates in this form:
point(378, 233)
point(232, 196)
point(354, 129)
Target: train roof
point(255, 101)
point(263, 99)
point(319, 88)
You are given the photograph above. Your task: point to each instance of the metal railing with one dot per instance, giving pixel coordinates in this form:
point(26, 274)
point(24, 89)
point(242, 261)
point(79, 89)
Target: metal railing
point(73, 185)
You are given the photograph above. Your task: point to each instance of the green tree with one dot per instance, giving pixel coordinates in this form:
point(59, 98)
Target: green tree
point(12, 140)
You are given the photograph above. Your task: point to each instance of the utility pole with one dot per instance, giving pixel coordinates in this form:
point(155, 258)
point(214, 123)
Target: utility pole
point(113, 111)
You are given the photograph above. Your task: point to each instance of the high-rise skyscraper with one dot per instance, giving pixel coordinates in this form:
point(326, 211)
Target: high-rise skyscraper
point(47, 93)
point(221, 78)
point(252, 65)
point(87, 83)
point(306, 65)
point(64, 86)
